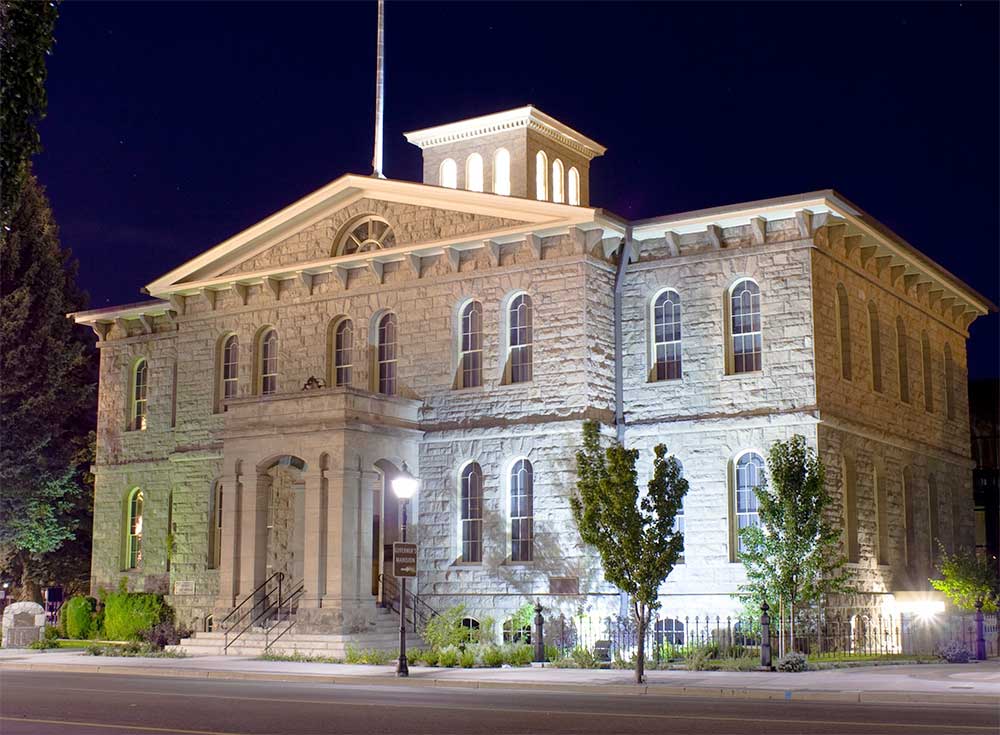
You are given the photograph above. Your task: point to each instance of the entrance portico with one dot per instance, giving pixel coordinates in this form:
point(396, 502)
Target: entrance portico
point(306, 496)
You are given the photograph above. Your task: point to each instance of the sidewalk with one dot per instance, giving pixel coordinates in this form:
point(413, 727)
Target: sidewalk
point(974, 683)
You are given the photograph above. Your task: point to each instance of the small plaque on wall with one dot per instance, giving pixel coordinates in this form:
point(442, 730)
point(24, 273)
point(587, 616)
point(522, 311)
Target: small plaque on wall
point(564, 585)
point(184, 587)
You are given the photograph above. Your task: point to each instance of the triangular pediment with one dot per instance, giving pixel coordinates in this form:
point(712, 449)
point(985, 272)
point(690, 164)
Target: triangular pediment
point(312, 230)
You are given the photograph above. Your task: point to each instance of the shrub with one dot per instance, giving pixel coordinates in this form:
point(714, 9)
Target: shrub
point(446, 629)
point(164, 633)
point(448, 656)
point(517, 654)
point(43, 643)
point(416, 655)
point(552, 653)
point(78, 614)
point(127, 614)
point(370, 656)
point(467, 659)
point(492, 656)
point(698, 658)
point(793, 661)
point(583, 658)
point(52, 633)
point(955, 652)
point(430, 657)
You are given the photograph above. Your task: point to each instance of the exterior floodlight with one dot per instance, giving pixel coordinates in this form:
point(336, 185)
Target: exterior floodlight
point(405, 485)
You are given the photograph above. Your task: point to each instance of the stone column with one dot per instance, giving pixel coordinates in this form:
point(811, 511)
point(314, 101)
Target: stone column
point(253, 533)
point(229, 570)
point(348, 543)
point(315, 546)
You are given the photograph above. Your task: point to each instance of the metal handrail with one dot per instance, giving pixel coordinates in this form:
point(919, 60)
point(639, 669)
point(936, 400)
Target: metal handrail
point(266, 604)
point(418, 608)
point(289, 601)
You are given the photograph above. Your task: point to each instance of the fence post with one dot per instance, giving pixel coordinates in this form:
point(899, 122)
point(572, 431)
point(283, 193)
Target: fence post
point(537, 637)
point(765, 638)
point(980, 635)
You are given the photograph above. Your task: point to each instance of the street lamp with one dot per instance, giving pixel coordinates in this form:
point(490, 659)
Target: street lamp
point(404, 485)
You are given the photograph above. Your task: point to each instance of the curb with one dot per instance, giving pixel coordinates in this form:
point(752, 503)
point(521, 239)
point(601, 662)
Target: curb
point(655, 690)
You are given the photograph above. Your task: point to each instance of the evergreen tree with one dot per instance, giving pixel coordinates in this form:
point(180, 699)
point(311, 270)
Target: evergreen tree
point(795, 554)
point(633, 534)
point(47, 392)
point(25, 40)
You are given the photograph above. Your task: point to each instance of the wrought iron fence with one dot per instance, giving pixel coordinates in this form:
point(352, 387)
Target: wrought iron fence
point(821, 635)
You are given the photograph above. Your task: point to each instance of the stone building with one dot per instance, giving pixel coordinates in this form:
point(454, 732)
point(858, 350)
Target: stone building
point(253, 413)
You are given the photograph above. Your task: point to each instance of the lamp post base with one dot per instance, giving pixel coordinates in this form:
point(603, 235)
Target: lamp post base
point(402, 666)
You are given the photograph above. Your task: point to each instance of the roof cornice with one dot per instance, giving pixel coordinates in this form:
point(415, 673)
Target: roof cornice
point(528, 117)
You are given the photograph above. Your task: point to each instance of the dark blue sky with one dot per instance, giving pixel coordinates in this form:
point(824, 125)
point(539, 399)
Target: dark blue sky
point(173, 126)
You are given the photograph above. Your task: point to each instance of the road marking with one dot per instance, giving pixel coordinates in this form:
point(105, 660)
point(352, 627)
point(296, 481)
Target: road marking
point(144, 728)
point(523, 711)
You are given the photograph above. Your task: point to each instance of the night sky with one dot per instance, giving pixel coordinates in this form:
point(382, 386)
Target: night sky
point(174, 126)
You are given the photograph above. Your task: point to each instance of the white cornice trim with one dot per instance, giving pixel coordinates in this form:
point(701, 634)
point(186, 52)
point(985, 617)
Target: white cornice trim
point(340, 193)
point(522, 117)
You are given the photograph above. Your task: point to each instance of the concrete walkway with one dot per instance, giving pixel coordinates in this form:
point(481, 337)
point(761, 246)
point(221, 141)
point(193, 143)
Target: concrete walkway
point(974, 683)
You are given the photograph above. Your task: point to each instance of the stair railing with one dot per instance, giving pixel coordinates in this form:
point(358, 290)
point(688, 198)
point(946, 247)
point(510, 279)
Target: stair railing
point(283, 618)
point(256, 606)
point(420, 612)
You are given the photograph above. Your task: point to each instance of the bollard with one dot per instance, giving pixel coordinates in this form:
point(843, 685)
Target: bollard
point(765, 639)
point(980, 636)
point(537, 638)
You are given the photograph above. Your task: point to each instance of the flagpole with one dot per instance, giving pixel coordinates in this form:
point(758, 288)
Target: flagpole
point(379, 91)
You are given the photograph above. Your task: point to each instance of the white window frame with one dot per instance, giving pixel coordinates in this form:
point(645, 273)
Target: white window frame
point(669, 344)
point(755, 336)
point(468, 521)
point(521, 498)
point(751, 516)
point(139, 395)
point(501, 172)
point(268, 361)
point(470, 344)
point(134, 509)
point(387, 354)
point(448, 174)
point(573, 186)
point(343, 354)
point(541, 176)
point(230, 375)
point(525, 337)
point(474, 172)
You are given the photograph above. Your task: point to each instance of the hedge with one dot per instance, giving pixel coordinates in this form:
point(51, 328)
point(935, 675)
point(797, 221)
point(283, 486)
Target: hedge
point(128, 614)
point(79, 616)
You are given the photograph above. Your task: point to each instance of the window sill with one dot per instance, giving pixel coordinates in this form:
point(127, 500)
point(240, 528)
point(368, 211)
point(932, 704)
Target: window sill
point(740, 376)
point(515, 564)
point(466, 564)
point(471, 389)
point(668, 381)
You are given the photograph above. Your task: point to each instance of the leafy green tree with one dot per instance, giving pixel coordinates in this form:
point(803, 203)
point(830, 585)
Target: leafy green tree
point(967, 579)
point(633, 533)
point(795, 554)
point(47, 392)
point(25, 40)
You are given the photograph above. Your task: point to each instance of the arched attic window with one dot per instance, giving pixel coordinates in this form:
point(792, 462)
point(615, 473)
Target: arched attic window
point(474, 172)
point(501, 172)
point(448, 175)
point(541, 176)
point(558, 182)
point(573, 186)
point(365, 234)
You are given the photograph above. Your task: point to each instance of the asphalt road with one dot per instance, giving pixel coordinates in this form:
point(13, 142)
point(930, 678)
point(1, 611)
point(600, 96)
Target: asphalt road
point(35, 703)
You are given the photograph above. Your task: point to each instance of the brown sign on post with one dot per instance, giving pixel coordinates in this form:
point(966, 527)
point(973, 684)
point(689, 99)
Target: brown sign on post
point(404, 559)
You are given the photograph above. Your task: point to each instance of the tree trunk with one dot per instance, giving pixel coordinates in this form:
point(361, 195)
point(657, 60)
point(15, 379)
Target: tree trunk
point(30, 591)
point(640, 659)
point(791, 626)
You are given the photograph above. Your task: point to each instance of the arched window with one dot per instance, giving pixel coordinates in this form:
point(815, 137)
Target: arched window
point(343, 351)
point(902, 365)
point(522, 491)
point(140, 388)
point(519, 339)
point(749, 471)
point(449, 173)
point(516, 633)
point(949, 383)
point(366, 234)
point(474, 172)
point(849, 488)
point(215, 527)
point(667, 336)
point(229, 373)
point(745, 329)
point(573, 185)
point(387, 355)
point(933, 516)
point(875, 346)
point(558, 182)
point(269, 362)
point(541, 176)
point(471, 502)
point(133, 540)
point(472, 345)
point(844, 331)
point(501, 172)
point(925, 359)
point(471, 626)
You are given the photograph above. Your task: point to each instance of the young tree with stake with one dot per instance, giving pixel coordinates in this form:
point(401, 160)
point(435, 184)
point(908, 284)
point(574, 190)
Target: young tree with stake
point(634, 534)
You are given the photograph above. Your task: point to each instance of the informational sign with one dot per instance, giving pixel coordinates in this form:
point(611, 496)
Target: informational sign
point(404, 559)
point(184, 588)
